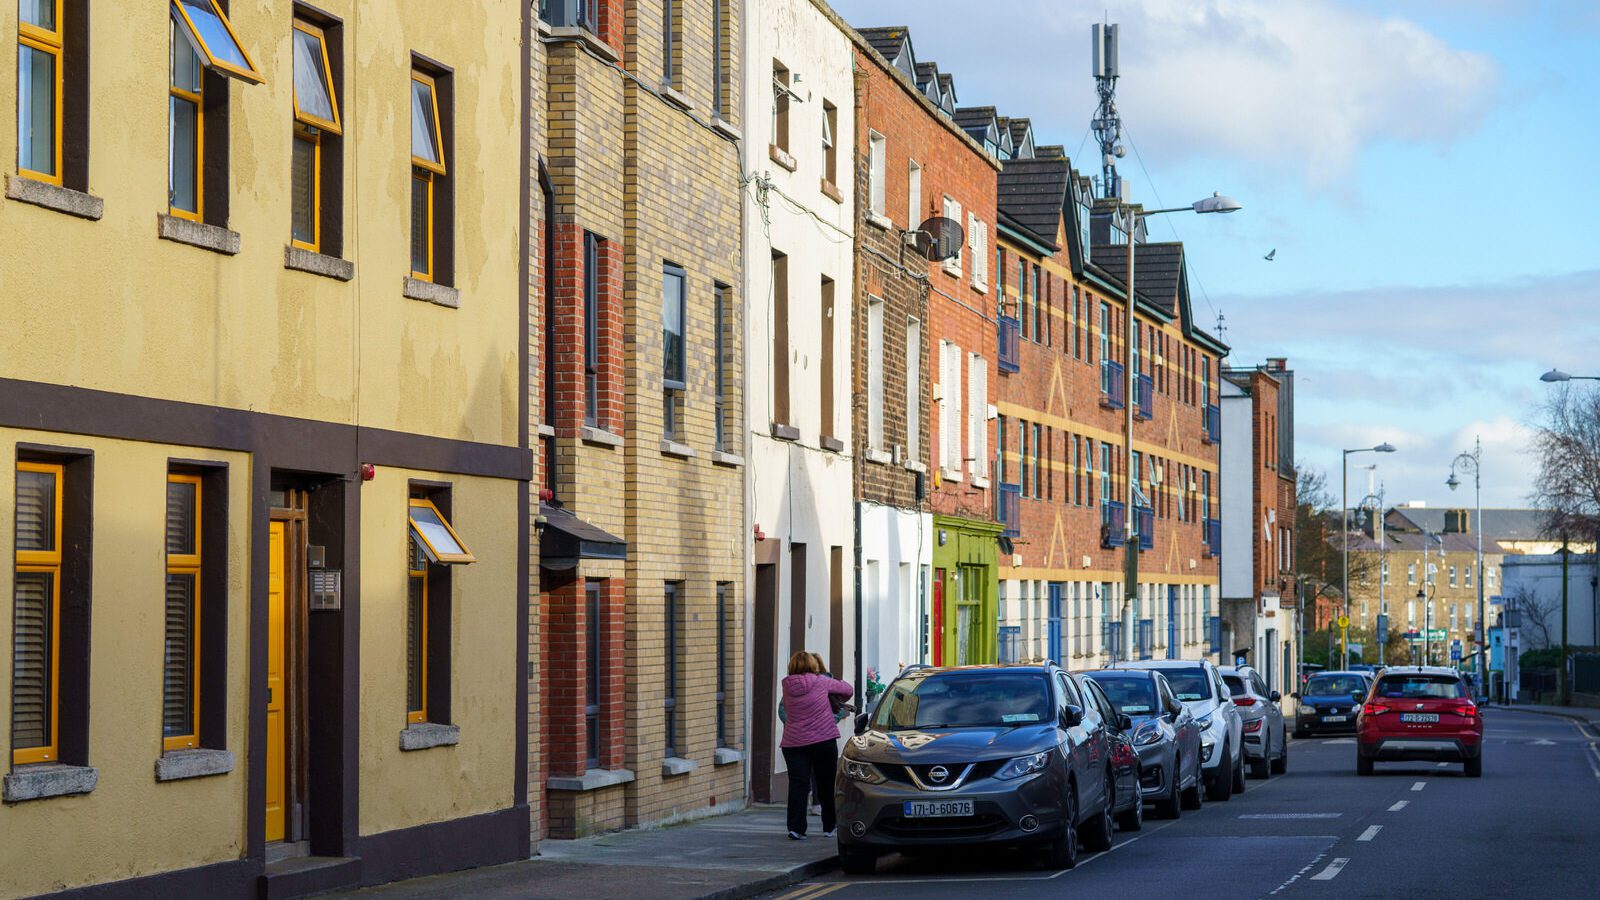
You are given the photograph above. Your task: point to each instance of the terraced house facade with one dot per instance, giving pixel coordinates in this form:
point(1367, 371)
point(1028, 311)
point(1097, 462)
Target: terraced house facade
point(267, 478)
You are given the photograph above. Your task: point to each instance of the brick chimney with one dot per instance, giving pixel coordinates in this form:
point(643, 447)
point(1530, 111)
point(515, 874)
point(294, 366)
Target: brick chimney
point(1277, 363)
point(1457, 521)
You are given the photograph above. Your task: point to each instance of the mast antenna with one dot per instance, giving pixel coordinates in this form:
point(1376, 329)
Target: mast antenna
point(1107, 124)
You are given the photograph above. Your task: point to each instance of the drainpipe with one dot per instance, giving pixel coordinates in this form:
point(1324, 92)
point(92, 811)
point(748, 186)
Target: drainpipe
point(860, 684)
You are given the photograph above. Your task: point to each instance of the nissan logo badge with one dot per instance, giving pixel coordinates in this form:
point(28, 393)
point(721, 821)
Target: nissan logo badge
point(938, 774)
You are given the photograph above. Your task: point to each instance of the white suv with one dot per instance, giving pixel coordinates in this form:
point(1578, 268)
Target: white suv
point(1200, 687)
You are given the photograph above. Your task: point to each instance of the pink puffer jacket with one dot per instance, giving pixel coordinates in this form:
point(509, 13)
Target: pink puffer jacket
point(809, 711)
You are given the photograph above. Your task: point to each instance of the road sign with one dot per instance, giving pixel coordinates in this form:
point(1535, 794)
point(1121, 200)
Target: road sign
point(1436, 636)
point(1344, 622)
point(1383, 627)
point(1455, 652)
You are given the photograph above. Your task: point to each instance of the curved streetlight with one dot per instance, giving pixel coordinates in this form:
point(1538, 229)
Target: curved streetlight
point(1474, 461)
point(1556, 376)
point(1344, 521)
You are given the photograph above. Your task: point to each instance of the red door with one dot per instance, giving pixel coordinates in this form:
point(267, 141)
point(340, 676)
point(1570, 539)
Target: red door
point(937, 638)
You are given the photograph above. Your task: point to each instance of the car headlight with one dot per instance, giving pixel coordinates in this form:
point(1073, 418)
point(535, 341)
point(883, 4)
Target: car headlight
point(1205, 750)
point(856, 770)
point(1205, 720)
point(1024, 765)
point(1147, 734)
point(1307, 709)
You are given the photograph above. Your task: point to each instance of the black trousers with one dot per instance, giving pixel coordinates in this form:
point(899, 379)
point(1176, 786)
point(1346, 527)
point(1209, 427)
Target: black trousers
point(808, 765)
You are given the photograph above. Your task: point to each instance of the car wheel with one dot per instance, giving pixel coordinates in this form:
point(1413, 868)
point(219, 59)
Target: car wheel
point(1132, 819)
point(1063, 852)
point(1190, 798)
point(1238, 775)
point(1474, 767)
point(1097, 831)
point(1221, 786)
point(857, 862)
point(1281, 764)
point(1168, 806)
point(1259, 767)
point(1363, 765)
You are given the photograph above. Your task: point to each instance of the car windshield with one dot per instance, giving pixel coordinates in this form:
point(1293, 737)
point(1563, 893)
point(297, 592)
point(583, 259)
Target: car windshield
point(1189, 684)
point(1343, 685)
point(966, 699)
point(1420, 687)
point(1235, 685)
point(1131, 694)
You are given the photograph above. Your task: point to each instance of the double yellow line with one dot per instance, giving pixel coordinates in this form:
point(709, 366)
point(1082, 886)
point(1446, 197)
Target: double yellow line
point(813, 891)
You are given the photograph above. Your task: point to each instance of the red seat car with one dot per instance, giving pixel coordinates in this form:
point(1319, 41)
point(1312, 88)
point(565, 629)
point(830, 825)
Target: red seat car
point(1420, 713)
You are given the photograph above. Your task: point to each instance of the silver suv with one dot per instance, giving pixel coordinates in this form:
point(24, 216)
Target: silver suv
point(996, 755)
point(1199, 686)
point(1266, 748)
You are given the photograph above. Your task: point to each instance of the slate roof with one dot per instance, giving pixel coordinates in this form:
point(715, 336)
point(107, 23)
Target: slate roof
point(885, 40)
point(1019, 129)
point(970, 117)
point(1054, 151)
point(1412, 542)
point(1032, 193)
point(1498, 524)
point(1159, 270)
point(926, 71)
point(947, 85)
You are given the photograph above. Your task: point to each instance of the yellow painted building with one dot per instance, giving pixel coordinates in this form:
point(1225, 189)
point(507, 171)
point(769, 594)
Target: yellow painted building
point(263, 403)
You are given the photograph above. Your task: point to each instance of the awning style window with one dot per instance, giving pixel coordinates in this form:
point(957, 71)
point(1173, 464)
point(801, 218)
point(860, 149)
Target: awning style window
point(426, 150)
point(438, 541)
point(314, 100)
point(565, 539)
point(214, 40)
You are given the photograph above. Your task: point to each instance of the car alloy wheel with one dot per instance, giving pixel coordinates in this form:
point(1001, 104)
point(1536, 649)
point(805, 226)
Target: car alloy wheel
point(1238, 773)
point(1133, 818)
point(1281, 764)
point(1097, 832)
point(1062, 853)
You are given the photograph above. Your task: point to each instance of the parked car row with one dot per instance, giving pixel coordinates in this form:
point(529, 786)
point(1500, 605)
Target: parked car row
point(1036, 757)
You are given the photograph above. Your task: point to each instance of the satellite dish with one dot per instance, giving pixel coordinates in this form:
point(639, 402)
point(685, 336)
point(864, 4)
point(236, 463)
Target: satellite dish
point(939, 238)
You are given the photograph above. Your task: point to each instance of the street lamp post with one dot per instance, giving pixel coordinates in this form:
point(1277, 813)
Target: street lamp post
point(1552, 377)
point(1474, 460)
point(1344, 523)
point(1216, 203)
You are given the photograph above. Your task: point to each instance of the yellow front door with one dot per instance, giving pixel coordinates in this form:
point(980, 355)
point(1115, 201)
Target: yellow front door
point(277, 593)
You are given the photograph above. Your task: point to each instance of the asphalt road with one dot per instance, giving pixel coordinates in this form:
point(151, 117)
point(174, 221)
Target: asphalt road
point(1530, 827)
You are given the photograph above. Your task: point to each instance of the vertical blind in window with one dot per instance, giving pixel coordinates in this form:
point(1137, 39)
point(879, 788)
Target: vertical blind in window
point(180, 657)
point(416, 632)
point(35, 613)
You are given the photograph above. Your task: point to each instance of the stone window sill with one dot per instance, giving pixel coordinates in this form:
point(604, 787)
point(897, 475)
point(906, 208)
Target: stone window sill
point(782, 157)
point(429, 292)
point(592, 780)
point(831, 191)
point(879, 221)
point(676, 98)
point(674, 765)
point(832, 444)
point(982, 484)
point(592, 435)
point(426, 735)
point(874, 455)
point(177, 765)
point(916, 466)
point(302, 260)
point(726, 756)
point(726, 129)
point(785, 432)
point(726, 459)
point(544, 430)
point(38, 782)
point(673, 448)
point(587, 37)
point(197, 234)
point(53, 196)
point(949, 474)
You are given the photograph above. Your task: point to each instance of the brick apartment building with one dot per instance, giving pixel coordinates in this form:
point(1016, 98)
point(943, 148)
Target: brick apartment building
point(640, 621)
point(1260, 615)
point(918, 163)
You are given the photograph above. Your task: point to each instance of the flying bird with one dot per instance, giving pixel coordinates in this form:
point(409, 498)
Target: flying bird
point(1270, 254)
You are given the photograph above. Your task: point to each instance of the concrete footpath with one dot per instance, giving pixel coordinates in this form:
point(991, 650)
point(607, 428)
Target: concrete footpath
point(737, 855)
point(1584, 715)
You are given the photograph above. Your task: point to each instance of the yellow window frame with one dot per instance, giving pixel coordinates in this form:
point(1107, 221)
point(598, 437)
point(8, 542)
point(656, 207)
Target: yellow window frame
point(49, 562)
point(332, 125)
point(425, 176)
point(310, 133)
point(53, 43)
point(189, 564)
point(466, 556)
point(198, 99)
point(420, 576)
point(251, 75)
point(438, 130)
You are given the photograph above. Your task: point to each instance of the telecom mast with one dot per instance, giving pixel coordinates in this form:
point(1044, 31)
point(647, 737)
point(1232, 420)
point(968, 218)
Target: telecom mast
point(1107, 125)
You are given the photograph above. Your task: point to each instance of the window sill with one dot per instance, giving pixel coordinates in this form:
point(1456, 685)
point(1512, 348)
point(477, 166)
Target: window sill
point(782, 157)
point(52, 196)
point(879, 221)
point(674, 765)
point(197, 234)
point(982, 484)
point(726, 756)
point(177, 765)
point(44, 780)
point(726, 459)
point(302, 260)
point(784, 432)
point(599, 436)
point(587, 38)
point(426, 735)
point(592, 780)
point(676, 98)
point(981, 285)
point(429, 292)
point(916, 466)
point(673, 448)
point(832, 444)
point(543, 430)
point(950, 474)
point(831, 191)
point(874, 455)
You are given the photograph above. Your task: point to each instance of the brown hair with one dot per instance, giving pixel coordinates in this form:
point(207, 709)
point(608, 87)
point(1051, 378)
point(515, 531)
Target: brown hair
point(803, 662)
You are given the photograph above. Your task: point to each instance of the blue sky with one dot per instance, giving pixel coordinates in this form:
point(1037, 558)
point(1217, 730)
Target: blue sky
point(1426, 170)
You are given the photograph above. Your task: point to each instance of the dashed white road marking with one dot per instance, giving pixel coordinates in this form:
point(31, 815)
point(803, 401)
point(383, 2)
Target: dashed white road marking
point(1399, 805)
point(1419, 785)
point(1370, 833)
point(1541, 743)
point(1332, 871)
point(1296, 815)
point(1441, 765)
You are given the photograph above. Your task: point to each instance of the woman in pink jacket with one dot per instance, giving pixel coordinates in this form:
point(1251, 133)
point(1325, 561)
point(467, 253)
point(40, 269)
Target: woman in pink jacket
point(811, 738)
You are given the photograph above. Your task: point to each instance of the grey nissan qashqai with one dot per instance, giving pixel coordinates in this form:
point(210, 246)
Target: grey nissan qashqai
point(1002, 756)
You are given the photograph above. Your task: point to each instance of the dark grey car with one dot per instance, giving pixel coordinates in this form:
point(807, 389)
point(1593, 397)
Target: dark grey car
point(1164, 734)
point(992, 755)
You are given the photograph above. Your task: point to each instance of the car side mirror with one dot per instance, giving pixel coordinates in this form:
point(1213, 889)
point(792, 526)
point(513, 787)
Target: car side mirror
point(1274, 696)
point(1071, 716)
point(1295, 694)
point(861, 723)
point(1125, 722)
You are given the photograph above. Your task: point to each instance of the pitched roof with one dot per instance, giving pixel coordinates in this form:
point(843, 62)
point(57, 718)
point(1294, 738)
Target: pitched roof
point(1032, 192)
point(970, 117)
point(925, 72)
point(1159, 270)
point(1498, 524)
point(885, 40)
point(1019, 129)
